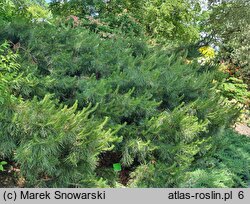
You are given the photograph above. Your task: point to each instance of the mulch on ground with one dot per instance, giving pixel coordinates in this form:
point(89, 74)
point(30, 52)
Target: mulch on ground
point(7, 179)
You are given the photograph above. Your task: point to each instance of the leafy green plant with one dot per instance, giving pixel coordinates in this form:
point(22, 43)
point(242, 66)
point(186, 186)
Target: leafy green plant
point(2, 163)
point(229, 22)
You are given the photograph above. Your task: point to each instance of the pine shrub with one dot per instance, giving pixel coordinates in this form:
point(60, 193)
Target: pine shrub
point(167, 112)
point(55, 145)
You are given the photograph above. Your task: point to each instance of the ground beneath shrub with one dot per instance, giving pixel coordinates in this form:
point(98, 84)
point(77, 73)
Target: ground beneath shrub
point(7, 180)
point(107, 159)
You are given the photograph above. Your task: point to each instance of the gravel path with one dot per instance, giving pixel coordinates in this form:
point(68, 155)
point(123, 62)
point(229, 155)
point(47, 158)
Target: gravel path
point(242, 129)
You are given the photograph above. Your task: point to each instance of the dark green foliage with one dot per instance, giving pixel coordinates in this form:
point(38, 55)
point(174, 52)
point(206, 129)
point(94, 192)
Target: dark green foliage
point(129, 88)
point(168, 106)
point(88, 93)
point(227, 166)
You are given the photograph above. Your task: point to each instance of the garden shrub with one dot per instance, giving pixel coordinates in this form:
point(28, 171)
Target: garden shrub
point(54, 145)
point(164, 114)
point(58, 143)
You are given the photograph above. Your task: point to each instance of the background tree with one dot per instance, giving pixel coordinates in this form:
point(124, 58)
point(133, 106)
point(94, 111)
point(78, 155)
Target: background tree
point(228, 26)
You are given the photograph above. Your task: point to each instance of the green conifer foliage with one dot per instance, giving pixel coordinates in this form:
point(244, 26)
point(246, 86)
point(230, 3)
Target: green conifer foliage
point(8, 73)
point(170, 108)
point(163, 112)
point(58, 143)
point(54, 145)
